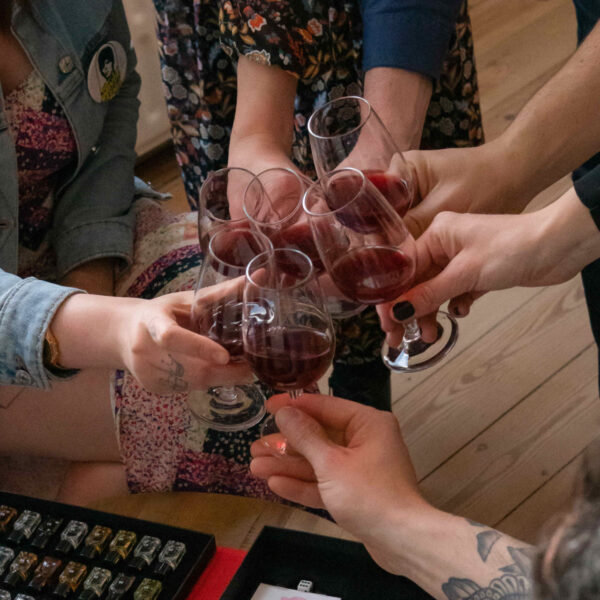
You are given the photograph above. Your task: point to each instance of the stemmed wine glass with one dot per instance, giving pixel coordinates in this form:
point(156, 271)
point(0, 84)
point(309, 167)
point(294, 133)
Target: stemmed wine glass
point(347, 132)
point(287, 332)
point(217, 313)
point(216, 192)
point(273, 205)
point(376, 261)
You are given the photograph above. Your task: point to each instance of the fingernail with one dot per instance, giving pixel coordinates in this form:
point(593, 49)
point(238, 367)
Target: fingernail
point(403, 310)
point(287, 415)
point(456, 311)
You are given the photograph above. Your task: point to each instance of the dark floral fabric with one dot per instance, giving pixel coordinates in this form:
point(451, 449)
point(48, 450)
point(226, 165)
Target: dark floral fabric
point(321, 44)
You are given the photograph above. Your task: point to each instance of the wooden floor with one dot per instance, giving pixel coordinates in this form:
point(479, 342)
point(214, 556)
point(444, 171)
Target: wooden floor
point(498, 431)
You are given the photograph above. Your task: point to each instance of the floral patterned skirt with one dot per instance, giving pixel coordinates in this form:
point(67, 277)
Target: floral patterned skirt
point(199, 41)
point(162, 445)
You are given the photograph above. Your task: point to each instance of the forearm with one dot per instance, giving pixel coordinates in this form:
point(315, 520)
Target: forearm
point(559, 128)
point(95, 277)
point(401, 99)
point(451, 557)
point(568, 239)
point(264, 109)
point(87, 328)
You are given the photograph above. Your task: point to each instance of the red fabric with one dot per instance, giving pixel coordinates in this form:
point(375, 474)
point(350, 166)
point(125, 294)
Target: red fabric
point(218, 574)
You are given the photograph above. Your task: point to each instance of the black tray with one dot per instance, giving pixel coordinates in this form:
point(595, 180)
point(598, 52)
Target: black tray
point(336, 567)
point(200, 547)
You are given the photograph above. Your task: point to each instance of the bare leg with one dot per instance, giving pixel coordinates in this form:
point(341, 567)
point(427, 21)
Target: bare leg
point(73, 420)
point(86, 483)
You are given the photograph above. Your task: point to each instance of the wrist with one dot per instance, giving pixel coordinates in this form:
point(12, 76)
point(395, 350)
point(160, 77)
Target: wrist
point(568, 237)
point(409, 538)
point(88, 330)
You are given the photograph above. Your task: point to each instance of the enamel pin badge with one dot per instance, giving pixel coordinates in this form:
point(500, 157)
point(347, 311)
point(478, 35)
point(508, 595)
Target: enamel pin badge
point(107, 71)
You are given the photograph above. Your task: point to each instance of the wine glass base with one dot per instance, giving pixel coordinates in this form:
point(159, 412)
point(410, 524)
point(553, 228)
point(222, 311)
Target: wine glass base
point(419, 355)
point(225, 409)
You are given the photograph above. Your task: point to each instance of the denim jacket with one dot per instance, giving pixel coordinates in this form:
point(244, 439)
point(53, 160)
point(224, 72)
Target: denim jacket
point(93, 215)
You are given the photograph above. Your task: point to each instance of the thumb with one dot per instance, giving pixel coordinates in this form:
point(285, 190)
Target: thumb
point(304, 434)
point(427, 297)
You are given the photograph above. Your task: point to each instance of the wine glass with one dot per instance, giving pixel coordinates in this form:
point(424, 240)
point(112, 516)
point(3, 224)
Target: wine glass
point(347, 132)
point(217, 314)
point(287, 332)
point(273, 205)
point(215, 194)
point(376, 261)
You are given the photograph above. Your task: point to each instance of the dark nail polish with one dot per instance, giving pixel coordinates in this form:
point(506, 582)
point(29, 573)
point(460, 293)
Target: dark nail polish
point(403, 310)
point(456, 311)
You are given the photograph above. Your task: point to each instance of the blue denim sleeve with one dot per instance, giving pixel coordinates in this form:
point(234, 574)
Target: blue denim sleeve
point(26, 308)
point(408, 34)
point(94, 215)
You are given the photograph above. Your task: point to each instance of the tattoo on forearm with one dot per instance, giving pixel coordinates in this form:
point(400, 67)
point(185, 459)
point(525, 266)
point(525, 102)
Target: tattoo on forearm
point(515, 583)
point(485, 539)
point(175, 379)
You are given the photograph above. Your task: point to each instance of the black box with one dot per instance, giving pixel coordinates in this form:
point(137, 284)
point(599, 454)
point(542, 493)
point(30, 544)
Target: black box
point(176, 585)
point(336, 567)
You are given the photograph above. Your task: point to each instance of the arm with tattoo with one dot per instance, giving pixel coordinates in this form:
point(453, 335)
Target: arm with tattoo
point(457, 559)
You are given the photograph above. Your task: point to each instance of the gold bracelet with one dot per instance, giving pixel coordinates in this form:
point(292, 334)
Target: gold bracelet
point(51, 351)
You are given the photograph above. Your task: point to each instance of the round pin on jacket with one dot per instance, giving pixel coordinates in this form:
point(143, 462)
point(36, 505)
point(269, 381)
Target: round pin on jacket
point(107, 72)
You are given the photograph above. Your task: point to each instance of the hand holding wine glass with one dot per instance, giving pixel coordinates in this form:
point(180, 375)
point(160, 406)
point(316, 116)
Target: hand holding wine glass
point(375, 263)
point(347, 132)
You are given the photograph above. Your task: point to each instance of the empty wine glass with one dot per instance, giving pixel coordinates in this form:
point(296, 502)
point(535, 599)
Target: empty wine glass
point(219, 189)
point(287, 332)
point(370, 255)
point(217, 313)
point(347, 132)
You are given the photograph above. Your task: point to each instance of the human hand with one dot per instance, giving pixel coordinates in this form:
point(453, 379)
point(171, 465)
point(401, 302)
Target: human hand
point(475, 180)
point(460, 257)
point(256, 153)
point(364, 481)
point(153, 339)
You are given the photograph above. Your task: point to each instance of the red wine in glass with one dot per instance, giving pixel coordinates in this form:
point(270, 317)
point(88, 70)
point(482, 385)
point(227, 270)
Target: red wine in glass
point(234, 249)
point(288, 358)
point(394, 189)
point(373, 274)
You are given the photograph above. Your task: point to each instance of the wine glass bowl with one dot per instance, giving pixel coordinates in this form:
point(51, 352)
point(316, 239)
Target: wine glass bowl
point(365, 247)
point(347, 132)
point(216, 192)
point(287, 332)
point(273, 205)
point(289, 342)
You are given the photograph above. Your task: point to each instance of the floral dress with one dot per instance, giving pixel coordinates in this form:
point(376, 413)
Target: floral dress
point(45, 146)
point(320, 43)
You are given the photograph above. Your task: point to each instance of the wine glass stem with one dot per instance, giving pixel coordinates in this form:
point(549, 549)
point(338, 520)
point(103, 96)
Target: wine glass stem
point(412, 332)
point(228, 394)
point(295, 393)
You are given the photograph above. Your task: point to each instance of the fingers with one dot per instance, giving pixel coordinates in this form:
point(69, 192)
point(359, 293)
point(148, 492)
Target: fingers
point(295, 467)
point(174, 373)
point(301, 492)
point(427, 297)
point(329, 411)
point(304, 434)
point(170, 337)
point(461, 305)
